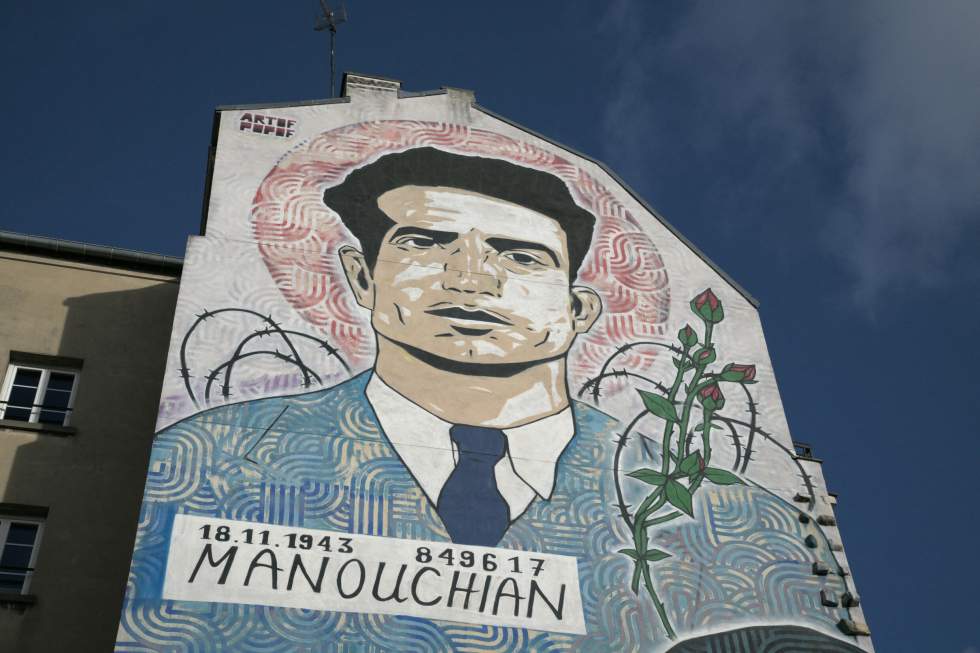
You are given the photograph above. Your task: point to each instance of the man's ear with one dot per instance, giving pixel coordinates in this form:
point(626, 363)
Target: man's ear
point(358, 276)
point(586, 308)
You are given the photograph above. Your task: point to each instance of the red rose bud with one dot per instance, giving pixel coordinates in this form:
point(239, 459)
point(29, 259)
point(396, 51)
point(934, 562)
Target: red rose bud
point(711, 397)
point(687, 336)
point(704, 356)
point(738, 373)
point(708, 307)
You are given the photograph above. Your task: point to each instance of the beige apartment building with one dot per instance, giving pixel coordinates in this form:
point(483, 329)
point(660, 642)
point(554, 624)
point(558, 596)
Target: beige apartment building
point(83, 342)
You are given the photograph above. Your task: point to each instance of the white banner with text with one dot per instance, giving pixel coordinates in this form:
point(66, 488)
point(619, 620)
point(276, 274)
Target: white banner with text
point(225, 561)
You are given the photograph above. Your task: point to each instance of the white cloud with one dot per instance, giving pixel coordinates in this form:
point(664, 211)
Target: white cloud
point(889, 88)
point(914, 119)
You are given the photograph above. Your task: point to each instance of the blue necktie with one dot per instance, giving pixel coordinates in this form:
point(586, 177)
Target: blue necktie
point(470, 505)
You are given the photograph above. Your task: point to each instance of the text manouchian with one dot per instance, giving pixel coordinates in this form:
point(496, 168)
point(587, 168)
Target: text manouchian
point(227, 561)
point(474, 591)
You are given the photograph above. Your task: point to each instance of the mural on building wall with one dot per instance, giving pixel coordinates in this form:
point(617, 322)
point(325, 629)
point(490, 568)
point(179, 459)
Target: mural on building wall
point(475, 447)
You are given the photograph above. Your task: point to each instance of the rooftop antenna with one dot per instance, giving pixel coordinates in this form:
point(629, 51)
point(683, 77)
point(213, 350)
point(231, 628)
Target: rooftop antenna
point(329, 20)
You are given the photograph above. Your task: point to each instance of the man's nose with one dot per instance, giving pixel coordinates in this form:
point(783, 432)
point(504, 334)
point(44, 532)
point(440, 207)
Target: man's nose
point(472, 268)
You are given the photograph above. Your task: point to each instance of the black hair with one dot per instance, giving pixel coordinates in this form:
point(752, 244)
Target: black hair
point(356, 198)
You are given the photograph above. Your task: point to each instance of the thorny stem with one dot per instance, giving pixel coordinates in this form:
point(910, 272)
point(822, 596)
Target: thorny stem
point(686, 414)
point(206, 314)
point(648, 582)
point(646, 508)
point(692, 391)
point(620, 445)
point(622, 350)
point(671, 396)
point(663, 519)
point(706, 436)
point(751, 436)
point(641, 567)
point(777, 443)
point(213, 376)
point(265, 332)
point(733, 434)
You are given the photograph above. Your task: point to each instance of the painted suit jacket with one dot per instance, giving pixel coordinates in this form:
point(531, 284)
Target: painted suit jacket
point(320, 460)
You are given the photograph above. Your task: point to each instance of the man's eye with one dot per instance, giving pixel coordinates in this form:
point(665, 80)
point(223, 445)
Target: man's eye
point(522, 257)
point(420, 242)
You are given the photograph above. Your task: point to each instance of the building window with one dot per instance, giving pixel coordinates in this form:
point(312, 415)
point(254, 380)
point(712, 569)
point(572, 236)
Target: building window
point(19, 540)
point(803, 449)
point(38, 394)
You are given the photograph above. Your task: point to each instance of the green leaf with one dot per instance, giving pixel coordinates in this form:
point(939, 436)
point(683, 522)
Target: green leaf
point(659, 406)
point(649, 476)
point(682, 365)
point(690, 464)
point(653, 555)
point(679, 497)
point(721, 476)
point(630, 552)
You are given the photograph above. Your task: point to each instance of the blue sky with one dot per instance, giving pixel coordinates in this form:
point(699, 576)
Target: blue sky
point(826, 155)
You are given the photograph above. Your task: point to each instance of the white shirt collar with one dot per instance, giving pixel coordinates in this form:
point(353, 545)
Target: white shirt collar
point(534, 449)
point(422, 442)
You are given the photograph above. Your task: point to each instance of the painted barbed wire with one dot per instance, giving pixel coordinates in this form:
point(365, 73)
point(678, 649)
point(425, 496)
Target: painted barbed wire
point(684, 462)
point(270, 328)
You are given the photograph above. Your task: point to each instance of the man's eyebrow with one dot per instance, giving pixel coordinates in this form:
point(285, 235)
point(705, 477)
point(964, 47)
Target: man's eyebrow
point(439, 237)
point(504, 244)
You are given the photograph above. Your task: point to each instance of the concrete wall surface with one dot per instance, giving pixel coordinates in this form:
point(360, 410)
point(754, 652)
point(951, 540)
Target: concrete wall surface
point(117, 322)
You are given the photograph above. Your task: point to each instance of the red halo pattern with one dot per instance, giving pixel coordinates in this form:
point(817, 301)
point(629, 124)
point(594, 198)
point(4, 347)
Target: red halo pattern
point(298, 238)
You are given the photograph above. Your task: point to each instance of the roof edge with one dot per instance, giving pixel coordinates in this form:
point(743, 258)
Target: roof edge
point(605, 168)
point(280, 105)
point(88, 253)
point(636, 196)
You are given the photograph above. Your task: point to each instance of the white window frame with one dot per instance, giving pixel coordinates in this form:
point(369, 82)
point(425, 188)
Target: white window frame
point(42, 388)
point(5, 521)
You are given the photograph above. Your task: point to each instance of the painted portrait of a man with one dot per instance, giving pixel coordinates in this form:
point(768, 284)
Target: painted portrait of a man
point(467, 266)
point(481, 295)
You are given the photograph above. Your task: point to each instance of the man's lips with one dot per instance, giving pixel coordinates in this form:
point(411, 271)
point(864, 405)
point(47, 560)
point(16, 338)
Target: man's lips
point(469, 314)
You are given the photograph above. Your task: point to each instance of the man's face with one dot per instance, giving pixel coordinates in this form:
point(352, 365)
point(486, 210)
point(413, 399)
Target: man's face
point(473, 279)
